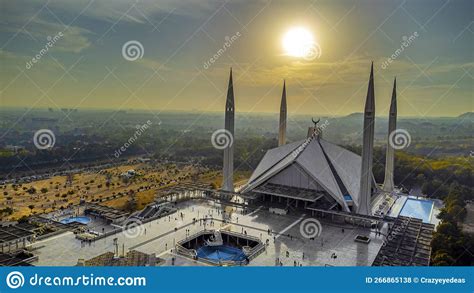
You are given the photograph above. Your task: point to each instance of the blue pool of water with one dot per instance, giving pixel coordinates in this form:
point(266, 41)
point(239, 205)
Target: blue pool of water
point(82, 220)
point(417, 208)
point(221, 253)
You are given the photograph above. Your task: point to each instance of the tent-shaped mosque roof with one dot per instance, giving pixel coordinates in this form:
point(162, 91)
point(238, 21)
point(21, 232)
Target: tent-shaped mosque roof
point(312, 163)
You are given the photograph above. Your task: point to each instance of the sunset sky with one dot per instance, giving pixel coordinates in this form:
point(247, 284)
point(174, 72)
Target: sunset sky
point(85, 67)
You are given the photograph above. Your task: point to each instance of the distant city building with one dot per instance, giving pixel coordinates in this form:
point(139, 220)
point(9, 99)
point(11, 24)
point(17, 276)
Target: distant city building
point(143, 160)
point(14, 148)
point(129, 174)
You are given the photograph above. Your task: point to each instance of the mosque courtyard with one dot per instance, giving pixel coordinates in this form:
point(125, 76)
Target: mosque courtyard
point(333, 245)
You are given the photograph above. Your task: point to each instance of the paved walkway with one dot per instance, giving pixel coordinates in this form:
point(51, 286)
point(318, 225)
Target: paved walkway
point(159, 237)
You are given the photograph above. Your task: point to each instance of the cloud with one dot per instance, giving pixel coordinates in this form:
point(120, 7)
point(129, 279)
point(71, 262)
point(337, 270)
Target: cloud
point(312, 74)
point(449, 68)
point(37, 19)
point(133, 11)
point(38, 27)
point(343, 82)
point(151, 64)
point(13, 63)
point(74, 39)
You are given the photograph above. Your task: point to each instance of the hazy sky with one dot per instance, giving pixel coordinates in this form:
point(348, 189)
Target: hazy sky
point(84, 66)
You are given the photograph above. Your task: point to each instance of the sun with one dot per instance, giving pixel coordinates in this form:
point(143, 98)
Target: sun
point(298, 42)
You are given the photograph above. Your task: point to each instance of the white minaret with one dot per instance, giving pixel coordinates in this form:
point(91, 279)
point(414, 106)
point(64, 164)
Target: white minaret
point(283, 114)
point(388, 184)
point(367, 149)
point(228, 170)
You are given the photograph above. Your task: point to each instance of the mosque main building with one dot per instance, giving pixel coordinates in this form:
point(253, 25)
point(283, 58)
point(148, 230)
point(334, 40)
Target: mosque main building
point(314, 173)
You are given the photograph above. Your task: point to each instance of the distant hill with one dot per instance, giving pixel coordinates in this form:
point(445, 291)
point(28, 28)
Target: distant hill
point(467, 115)
point(355, 115)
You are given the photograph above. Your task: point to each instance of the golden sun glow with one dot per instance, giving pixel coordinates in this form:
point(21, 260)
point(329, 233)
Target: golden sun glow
point(298, 42)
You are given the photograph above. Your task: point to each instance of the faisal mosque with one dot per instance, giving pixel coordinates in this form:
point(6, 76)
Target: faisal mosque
point(314, 173)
